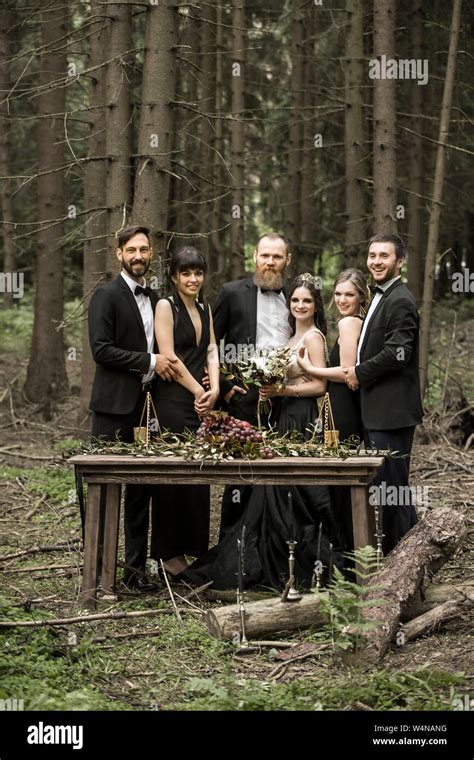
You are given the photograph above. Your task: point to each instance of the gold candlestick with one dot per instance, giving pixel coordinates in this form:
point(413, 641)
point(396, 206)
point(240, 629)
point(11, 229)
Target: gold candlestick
point(290, 594)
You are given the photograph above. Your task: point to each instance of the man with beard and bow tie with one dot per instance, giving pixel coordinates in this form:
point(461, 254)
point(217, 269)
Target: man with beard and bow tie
point(387, 374)
point(122, 340)
point(251, 313)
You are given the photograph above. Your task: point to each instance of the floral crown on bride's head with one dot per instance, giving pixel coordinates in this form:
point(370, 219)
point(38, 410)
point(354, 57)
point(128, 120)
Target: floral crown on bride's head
point(308, 277)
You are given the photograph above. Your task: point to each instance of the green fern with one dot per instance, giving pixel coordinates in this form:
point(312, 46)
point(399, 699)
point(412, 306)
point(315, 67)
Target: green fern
point(345, 602)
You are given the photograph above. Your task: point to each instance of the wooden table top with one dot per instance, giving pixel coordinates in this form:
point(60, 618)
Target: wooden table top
point(126, 460)
point(116, 468)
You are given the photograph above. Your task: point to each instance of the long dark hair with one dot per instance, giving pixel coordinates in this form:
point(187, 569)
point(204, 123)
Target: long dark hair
point(307, 281)
point(186, 257)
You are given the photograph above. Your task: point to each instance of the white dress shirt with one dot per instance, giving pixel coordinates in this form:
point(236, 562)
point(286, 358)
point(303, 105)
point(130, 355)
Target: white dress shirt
point(373, 305)
point(273, 329)
point(146, 313)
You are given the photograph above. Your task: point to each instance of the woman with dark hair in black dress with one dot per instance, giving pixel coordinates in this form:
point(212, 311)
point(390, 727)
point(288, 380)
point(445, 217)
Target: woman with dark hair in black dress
point(351, 296)
point(185, 334)
point(267, 518)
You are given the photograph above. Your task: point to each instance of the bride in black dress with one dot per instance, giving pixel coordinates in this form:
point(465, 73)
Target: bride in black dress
point(185, 334)
point(350, 296)
point(267, 519)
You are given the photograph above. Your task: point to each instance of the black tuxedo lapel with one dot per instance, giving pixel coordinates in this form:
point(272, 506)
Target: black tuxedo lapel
point(251, 304)
point(132, 301)
point(374, 315)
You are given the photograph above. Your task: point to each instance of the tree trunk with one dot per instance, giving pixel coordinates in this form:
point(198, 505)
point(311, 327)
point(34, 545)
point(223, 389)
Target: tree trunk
point(418, 556)
point(416, 163)
point(208, 68)
point(118, 125)
point(354, 142)
point(218, 160)
point(186, 188)
point(95, 177)
point(435, 213)
point(308, 222)
point(384, 116)
point(46, 378)
point(152, 182)
point(6, 186)
point(238, 140)
point(295, 145)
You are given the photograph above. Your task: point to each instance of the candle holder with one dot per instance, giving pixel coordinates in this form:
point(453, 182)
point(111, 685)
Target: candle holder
point(317, 575)
point(243, 638)
point(318, 565)
point(379, 534)
point(240, 587)
point(290, 594)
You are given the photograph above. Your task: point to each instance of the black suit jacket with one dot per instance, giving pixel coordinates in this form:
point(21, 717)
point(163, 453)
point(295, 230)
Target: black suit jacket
point(235, 312)
point(388, 370)
point(119, 347)
point(235, 325)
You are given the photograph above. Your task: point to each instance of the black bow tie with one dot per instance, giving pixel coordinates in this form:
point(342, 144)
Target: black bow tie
point(375, 289)
point(271, 290)
point(146, 291)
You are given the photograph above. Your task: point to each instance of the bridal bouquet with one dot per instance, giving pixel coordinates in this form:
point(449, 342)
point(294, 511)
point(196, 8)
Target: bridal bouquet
point(265, 366)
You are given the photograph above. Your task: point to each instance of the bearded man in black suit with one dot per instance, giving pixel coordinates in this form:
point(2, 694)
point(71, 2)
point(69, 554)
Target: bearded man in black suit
point(121, 333)
point(248, 314)
point(388, 376)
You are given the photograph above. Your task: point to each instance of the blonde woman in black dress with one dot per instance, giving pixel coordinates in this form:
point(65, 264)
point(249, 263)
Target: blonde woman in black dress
point(185, 334)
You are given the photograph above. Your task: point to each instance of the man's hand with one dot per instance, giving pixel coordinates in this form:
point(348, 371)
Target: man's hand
point(351, 378)
point(234, 389)
point(165, 368)
point(205, 403)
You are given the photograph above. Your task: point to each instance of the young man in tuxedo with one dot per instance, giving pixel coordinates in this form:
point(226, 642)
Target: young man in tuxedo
point(122, 340)
point(387, 373)
point(251, 313)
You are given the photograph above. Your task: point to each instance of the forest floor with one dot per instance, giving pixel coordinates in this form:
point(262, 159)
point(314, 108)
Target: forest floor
point(159, 662)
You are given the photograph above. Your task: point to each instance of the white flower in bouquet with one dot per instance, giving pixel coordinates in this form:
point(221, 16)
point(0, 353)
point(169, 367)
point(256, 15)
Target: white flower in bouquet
point(267, 366)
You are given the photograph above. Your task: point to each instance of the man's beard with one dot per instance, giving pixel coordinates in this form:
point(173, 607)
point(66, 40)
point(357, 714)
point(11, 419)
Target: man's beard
point(129, 268)
point(268, 278)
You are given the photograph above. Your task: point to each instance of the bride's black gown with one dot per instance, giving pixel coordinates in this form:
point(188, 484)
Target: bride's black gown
point(268, 526)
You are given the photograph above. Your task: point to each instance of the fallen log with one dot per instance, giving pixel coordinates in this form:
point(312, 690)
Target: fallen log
point(406, 571)
point(418, 556)
point(435, 594)
point(267, 617)
point(437, 616)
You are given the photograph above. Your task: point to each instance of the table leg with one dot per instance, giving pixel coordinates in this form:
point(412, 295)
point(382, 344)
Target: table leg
point(91, 546)
point(363, 520)
point(111, 531)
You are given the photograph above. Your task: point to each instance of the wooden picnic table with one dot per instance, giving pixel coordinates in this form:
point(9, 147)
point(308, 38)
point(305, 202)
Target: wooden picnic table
point(114, 471)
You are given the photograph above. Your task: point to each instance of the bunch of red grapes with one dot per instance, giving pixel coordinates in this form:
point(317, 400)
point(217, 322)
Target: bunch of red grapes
point(233, 433)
